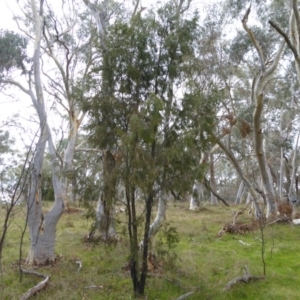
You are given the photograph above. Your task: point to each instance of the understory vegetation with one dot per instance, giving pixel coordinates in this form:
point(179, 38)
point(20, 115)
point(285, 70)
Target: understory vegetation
point(191, 257)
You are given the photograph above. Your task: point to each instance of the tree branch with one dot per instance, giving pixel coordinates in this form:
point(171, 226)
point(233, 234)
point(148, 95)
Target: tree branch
point(207, 185)
point(32, 291)
point(253, 39)
point(13, 82)
point(288, 41)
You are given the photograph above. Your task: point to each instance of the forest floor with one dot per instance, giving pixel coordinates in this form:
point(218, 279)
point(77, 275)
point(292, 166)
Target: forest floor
point(199, 261)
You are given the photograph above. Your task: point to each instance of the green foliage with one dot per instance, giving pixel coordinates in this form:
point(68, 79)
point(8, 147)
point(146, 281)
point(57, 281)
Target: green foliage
point(167, 241)
point(136, 101)
point(5, 143)
point(12, 51)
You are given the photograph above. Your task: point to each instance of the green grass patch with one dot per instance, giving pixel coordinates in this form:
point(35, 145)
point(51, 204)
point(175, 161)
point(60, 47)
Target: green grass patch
point(202, 262)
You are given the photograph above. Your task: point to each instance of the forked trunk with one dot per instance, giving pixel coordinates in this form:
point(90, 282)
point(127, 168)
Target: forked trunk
point(258, 87)
point(42, 229)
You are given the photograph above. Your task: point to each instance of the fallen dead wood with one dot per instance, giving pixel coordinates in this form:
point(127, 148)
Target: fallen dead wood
point(244, 279)
point(32, 291)
point(94, 287)
point(281, 221)
point(79, 263)
point(185, 296)
point(237, 228)
point(24, 271)
point(247, 277)
point(243, 243)
point(236, 214)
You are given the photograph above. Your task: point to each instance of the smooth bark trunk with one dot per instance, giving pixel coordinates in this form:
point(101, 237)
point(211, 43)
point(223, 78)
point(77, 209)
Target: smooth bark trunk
point(42, 229)
point(197, 193)
point(240, 193)
point(239, 170)
point(213, 199)
point(292, 191)
point(158, 222)
point(257, 94)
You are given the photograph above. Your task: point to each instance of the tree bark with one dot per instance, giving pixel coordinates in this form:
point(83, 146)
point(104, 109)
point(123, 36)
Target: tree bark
point(105, 212)
point(213, 199)
point(158, 222)
point(196, 195)
point(229, 154)
point(240, 193)
point(42, 229)
point(257, 93)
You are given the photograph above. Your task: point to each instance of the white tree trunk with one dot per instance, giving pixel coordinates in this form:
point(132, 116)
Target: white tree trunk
point(105, 220)
point(294, 168)
point(239, 170)
point(68, 172)
point(42, 229)
point(240, 193)
point(196, 196)
point(249, 198)
point(160, 216)
point(213, 198)
point(257, 92)
point(157, 223)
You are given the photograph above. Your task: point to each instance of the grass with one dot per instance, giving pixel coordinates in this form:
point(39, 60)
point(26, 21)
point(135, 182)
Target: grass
point(201, 262)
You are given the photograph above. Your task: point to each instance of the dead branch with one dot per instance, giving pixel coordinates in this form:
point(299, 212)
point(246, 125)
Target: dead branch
point(79, 263)
point(245, 279)
point(281, 220)
point(32, 291)
point(24, 271)
point(206, 184)
point(243, 243)
point(94, 287)
point(185, 296)
point(237, 214)
point(285, 36)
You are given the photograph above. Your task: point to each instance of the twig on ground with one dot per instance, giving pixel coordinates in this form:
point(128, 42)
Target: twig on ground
point(243, 243)
point(79, 263)
point(94, 287)
point(32, 291)
point(247, 277)
point(185, 296)
point(280, 220)
point(24, 271)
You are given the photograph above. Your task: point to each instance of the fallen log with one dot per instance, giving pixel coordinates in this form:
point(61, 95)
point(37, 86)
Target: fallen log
point(241, 279)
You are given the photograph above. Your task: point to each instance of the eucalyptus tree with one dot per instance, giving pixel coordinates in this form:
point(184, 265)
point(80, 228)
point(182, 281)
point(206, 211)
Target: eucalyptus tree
point(68, 46)
point(64, 43)
point(293, 42)
point(42, 228)
point(240, 94)
point(151, 126)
